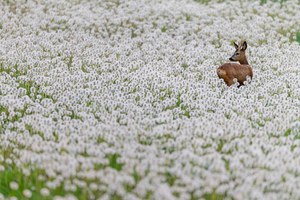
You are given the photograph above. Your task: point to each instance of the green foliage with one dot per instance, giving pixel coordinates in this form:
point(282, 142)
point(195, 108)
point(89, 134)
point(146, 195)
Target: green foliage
point(83, 69)
point(13, 118)
point(214, 196)
point(14, 174)
point(288, 132)
point(298, 37)
point(170, 178)
point(146, 141)
point(33, 182)
point(164, 29)
point(188, 17)
point(113, 162)
point(27, 85)
point(100, 140)
point(184, 65)
point(74, 116)
point(56, 137)
point(70, 61)
point(32, 131)
point(203, 1)
point(11, 70)
point(226, 163)
point(220, 145)
point(262, 2)
point(137, 178)
point(4, 109)
point(133, 34)
point(15, 71)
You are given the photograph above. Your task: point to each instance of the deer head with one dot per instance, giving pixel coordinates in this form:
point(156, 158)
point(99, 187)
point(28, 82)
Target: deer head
point(239, 54)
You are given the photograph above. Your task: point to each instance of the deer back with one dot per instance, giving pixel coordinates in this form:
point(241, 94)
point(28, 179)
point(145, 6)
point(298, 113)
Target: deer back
point(230, 71)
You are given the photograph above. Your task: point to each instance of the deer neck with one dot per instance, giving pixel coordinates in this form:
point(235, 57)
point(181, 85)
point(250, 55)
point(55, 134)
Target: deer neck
point(244, 61)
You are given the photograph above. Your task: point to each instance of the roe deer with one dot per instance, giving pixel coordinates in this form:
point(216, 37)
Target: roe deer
point(231, 71)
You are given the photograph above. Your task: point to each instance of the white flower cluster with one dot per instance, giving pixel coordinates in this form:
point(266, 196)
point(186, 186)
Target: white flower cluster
point(121, 98)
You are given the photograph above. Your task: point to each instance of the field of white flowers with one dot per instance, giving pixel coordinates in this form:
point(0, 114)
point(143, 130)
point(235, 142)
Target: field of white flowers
point(119, 99)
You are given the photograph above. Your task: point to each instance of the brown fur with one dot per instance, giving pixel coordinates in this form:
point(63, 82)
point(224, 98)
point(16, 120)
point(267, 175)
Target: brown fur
point(231, 71)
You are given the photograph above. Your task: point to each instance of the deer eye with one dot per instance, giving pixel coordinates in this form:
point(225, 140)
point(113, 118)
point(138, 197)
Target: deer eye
point(237, 53)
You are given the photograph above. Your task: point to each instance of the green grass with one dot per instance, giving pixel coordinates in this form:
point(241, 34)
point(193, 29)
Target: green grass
point(11, 70)
point(170, 178)
point(214, 196)
point(32, 182)
point(188, 17)
point(37, 90)
point(203, 1)
point(298, 37)
point(288, 132)
point(137, 178)
point(184, 65)
point(178, 104)
point(4, 110)
point(14, 118)
point(32, 131)
point(100, 140)
point(146, 141)
point(211, 196)
point(262, 2)
point(220, 145)
point(74, 116)
point(13, 173)
point(70, 61)
point(164, 29)
point(15, 71)
point(113, 163)
point(226, 163)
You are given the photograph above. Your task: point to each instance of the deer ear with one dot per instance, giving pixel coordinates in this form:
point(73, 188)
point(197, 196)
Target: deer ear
point(244, 46)
point(235, 45)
